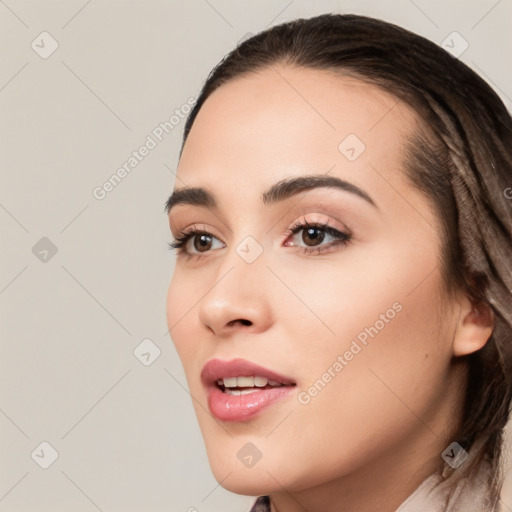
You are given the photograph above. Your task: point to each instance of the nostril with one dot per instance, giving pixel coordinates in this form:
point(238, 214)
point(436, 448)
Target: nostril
point(243, 321)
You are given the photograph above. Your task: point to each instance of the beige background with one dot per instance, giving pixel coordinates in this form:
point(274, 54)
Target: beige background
point(125, 433)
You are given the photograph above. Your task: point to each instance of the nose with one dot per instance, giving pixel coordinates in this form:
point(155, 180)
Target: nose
point(237, 298)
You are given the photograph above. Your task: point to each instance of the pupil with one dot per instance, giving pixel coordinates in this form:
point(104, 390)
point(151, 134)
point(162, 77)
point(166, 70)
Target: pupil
point(204, 240)
point(314, 234)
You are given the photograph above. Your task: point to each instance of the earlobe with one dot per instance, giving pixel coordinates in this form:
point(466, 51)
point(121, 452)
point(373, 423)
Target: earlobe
point(474, 327)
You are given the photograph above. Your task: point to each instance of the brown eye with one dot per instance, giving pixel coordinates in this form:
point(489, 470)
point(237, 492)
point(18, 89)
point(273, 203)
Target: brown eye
point(202, 242)
point(195, 242)
point(313, 236)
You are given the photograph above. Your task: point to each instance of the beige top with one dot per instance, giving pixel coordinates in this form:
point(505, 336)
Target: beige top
point(438, 494)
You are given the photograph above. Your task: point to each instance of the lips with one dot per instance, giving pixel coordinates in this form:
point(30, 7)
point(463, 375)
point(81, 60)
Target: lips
point(238, 390)
point(218, 369)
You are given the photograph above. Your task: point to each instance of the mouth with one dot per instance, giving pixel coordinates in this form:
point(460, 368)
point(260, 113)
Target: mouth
point(238, 390)
point(241, 385)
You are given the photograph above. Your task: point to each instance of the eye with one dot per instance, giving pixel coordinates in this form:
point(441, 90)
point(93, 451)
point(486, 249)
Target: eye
point(194, 239)
point(317, 236)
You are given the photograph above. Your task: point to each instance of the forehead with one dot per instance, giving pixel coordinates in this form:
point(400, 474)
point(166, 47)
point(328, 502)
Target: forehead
point(281, 120)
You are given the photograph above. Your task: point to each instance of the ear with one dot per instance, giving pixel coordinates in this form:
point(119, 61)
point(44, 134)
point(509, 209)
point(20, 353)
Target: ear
point(474, 327)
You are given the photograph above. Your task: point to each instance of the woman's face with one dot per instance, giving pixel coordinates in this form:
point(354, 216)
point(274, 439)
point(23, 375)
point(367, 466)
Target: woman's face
point(348, 319)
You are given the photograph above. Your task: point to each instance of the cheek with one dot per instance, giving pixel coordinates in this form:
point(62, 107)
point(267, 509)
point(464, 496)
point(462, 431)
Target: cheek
point(367, 292)
point(386, 303)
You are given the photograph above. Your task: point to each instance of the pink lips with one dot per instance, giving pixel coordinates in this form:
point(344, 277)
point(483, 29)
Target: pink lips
point(228, 407)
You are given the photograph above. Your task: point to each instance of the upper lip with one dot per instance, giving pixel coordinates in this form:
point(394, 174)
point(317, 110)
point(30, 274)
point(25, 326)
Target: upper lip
point(216, 369)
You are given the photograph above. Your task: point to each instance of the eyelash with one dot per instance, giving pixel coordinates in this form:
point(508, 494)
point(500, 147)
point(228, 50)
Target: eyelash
point(341, 238)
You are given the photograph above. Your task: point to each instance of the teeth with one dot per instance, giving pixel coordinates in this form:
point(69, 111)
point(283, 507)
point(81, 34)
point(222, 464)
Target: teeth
point(246, 382)
point(240, 391)
point(230, 382)
point(260, 382)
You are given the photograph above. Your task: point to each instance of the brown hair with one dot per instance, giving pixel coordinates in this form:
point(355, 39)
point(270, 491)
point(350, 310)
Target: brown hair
point(461, 159)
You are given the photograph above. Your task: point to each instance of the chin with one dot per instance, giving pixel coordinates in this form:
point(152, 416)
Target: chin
point(247, 481)
point(239, 467)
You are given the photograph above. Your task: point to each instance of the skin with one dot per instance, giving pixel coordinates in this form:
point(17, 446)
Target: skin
point(378, 428)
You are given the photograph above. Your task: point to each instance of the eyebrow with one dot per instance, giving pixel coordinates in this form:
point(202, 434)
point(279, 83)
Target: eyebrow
point(284, 189)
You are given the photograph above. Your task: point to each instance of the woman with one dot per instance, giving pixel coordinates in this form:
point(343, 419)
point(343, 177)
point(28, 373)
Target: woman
point(341, 300)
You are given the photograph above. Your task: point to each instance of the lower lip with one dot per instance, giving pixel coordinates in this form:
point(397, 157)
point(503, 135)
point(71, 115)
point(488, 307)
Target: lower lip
point(227, 407)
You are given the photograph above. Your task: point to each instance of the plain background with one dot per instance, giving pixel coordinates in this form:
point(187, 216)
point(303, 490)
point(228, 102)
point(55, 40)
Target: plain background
point(75, 305)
